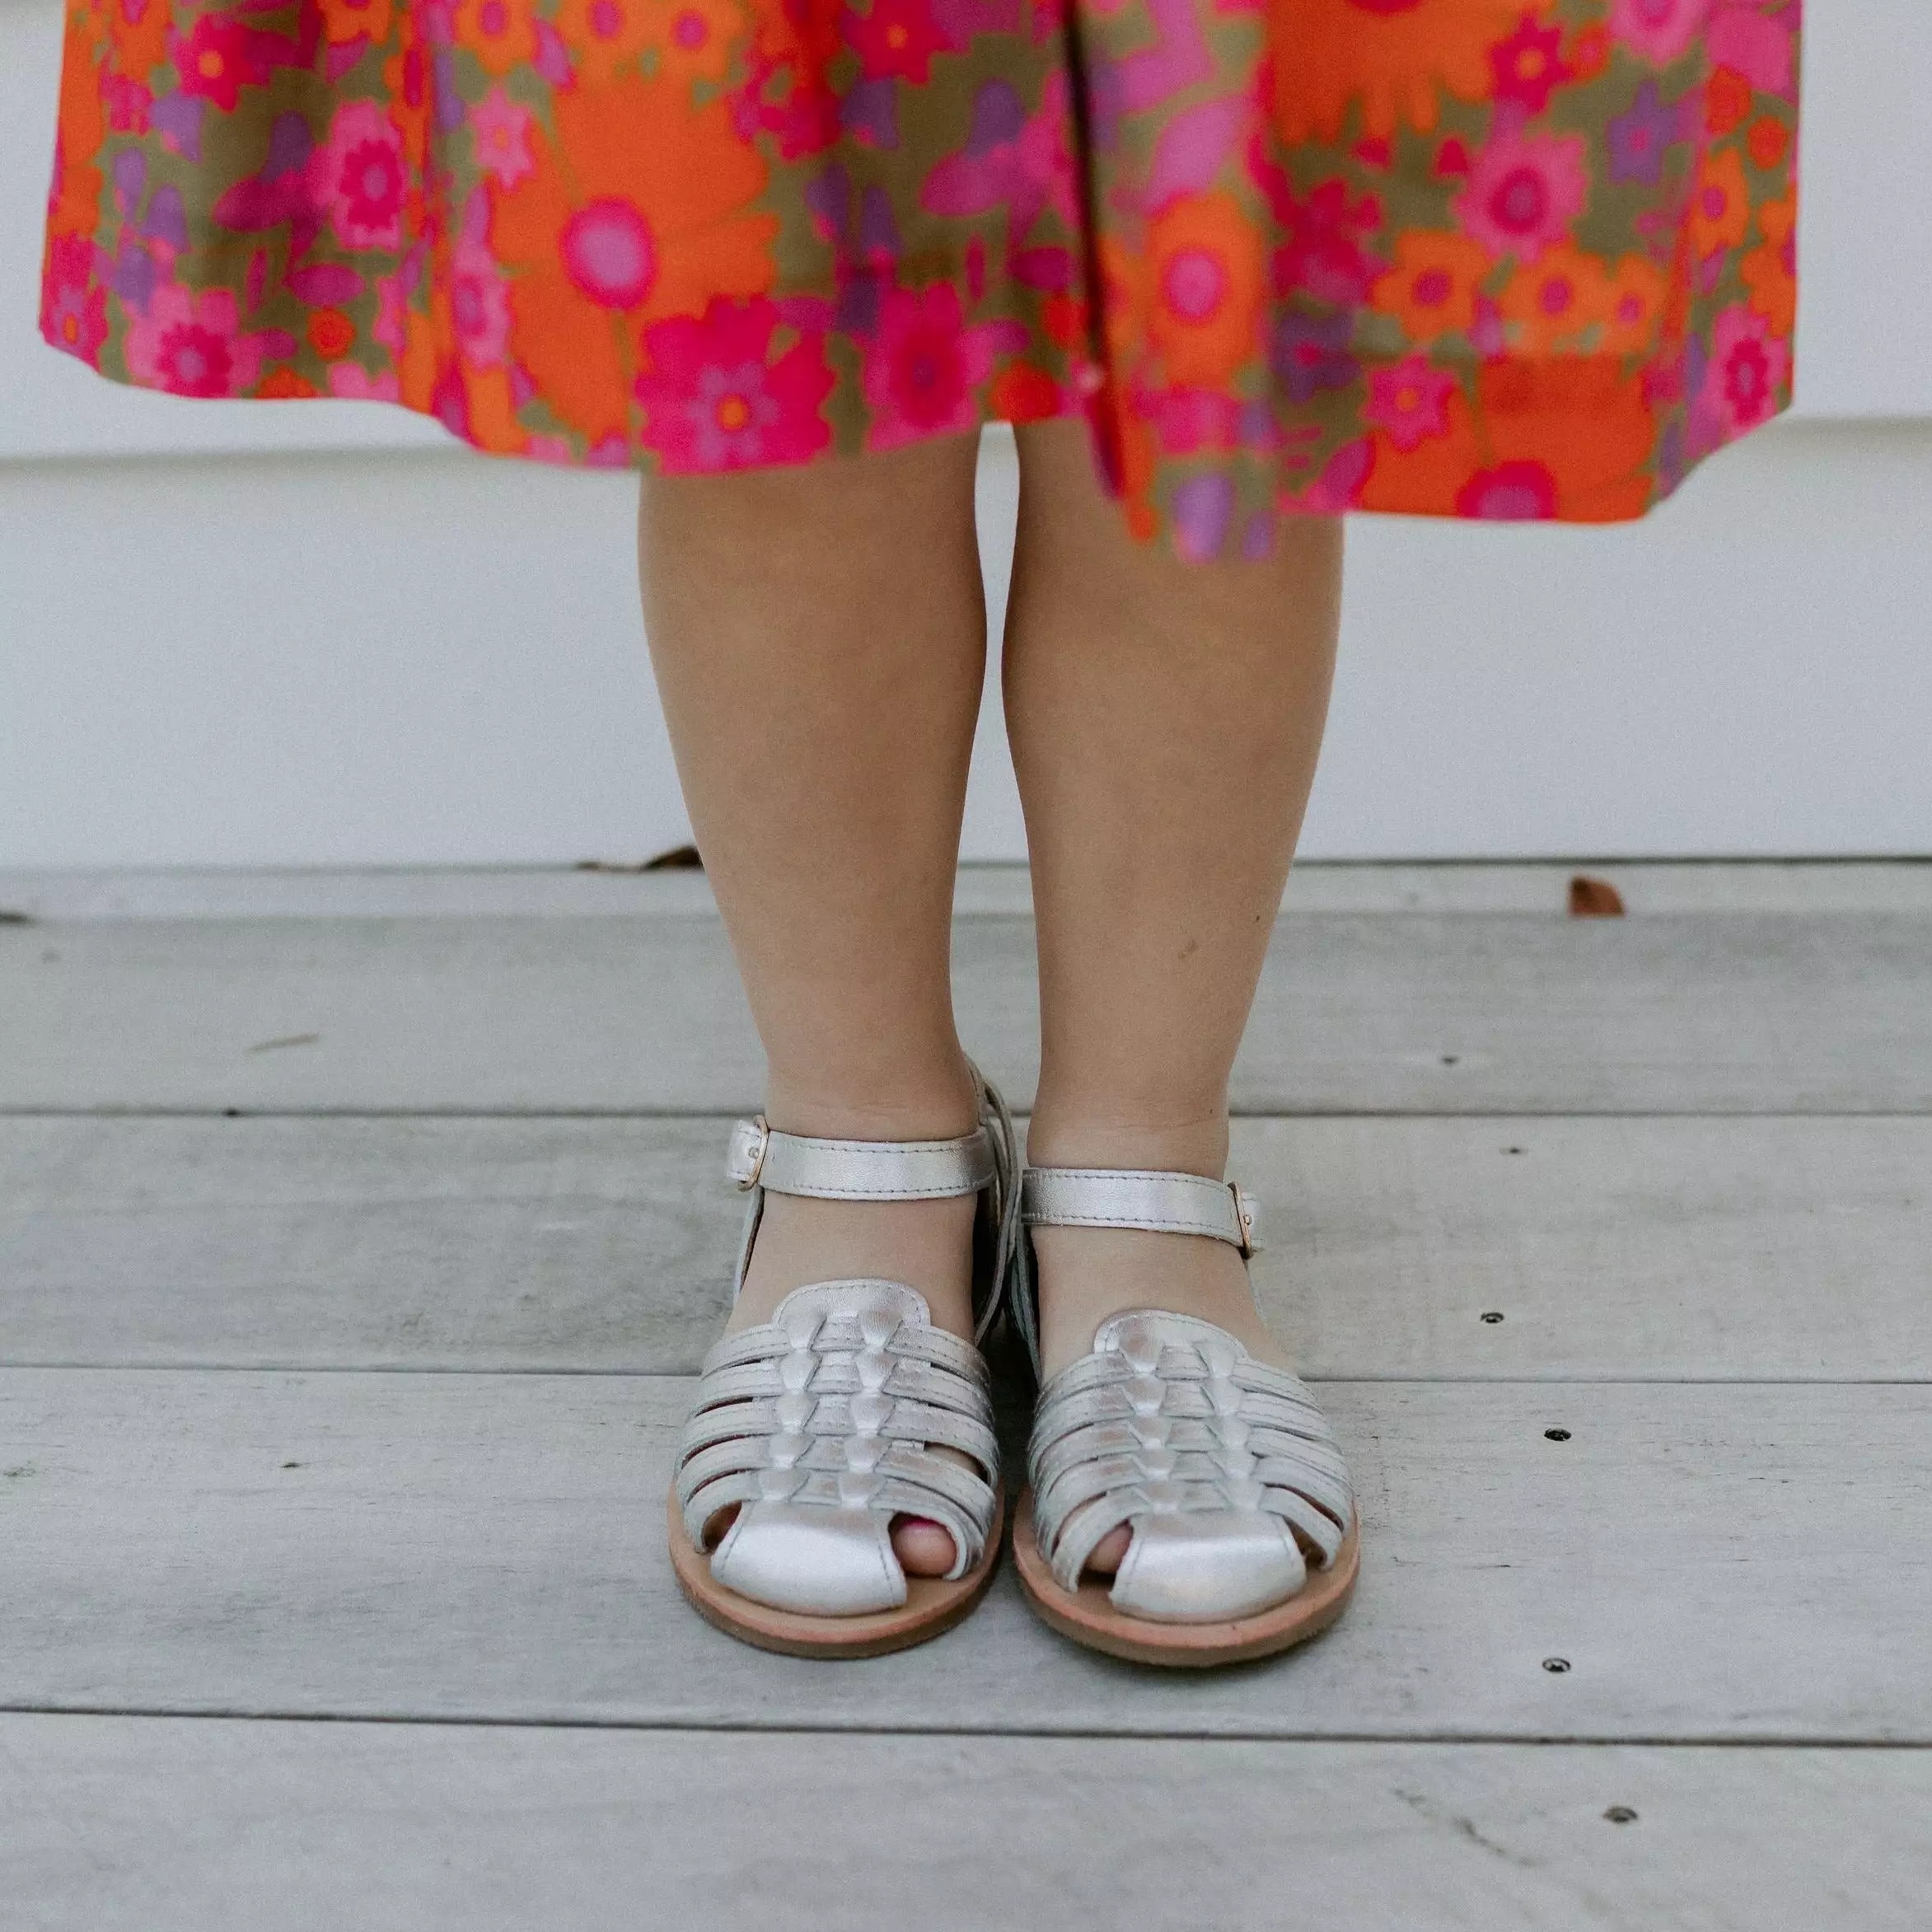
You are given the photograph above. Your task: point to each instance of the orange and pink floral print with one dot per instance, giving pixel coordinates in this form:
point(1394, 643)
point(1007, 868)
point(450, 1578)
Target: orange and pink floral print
point(1502, 258)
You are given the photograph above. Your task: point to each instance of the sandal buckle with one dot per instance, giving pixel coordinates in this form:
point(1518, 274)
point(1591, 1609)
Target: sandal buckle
point(751, 1141)
point(1245, 1206)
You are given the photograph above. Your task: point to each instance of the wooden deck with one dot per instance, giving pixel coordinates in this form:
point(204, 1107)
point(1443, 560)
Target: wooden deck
point(359, 1235)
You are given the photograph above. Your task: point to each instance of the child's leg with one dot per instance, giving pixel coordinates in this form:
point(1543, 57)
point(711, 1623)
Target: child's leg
point(819, 637)
point(1165, 718)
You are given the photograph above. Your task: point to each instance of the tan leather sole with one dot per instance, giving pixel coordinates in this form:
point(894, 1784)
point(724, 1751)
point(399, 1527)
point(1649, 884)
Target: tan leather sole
point(931, 1606)
point(1087, 1616)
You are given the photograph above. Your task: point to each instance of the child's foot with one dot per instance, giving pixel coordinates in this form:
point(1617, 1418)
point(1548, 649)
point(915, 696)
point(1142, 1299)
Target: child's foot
point(926, 1244)
point(1085, 1275)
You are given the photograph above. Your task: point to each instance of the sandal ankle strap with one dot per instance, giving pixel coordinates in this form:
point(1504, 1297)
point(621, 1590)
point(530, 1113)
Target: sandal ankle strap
point(1160, 1203)
point(986, 1162)
point(762, 1156)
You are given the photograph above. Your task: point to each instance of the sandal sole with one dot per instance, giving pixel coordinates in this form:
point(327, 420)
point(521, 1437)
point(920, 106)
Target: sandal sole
point(1087, 1616)
point(931, 1606)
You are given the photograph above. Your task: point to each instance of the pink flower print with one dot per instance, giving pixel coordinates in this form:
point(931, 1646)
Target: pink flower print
point(1338, 487)
point(354, 383)
point(1746, 375)
point(480, 304)
point(1324, 236)
point(895, 40)
point(962, 21)
point(129, 103)
point(392, 310)
point(1743, 36)
point(1187, 421)
point(777, 101)
point(715, 397)
point(1410, 402)
point(1524, 191)
point(359, 177)
point(610, 253)
point(191, 344)
point(479, 298)
point(1193, 148)
point(1511, 493)
point(1529, 66)
point(1659, 30)
point(219, 58)
point(923, 366)
point(502, 130)
point(73, 312)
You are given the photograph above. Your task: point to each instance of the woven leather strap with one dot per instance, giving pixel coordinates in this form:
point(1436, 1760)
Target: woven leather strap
point(821, 1425)
point(1223, 1466)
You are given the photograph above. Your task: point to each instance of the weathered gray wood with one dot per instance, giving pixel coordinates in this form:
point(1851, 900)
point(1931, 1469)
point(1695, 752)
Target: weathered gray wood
point(1725, 1565)
point(346, 892)
point(1367, 1013)
point(1673, 1249)
point(1625, 1248)
point(546, 1243)
point(153, 1825)
point(1648, 886)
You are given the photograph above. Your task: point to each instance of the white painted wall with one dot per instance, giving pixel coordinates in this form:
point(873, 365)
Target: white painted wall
point(256, 634)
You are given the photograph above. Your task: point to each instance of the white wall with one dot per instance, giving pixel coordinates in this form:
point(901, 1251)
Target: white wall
point(275, 634)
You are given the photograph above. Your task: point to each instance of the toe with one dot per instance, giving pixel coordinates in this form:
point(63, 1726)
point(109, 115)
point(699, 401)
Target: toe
point(1111, 1551)
point(924, 1547)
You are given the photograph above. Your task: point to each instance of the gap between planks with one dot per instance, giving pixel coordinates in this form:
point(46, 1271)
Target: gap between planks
point(1649, 888)
point(645, 1114)
point(213, 1715)
point(1446, 1381)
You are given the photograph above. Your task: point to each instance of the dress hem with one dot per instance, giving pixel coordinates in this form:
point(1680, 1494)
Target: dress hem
point(1617, 503)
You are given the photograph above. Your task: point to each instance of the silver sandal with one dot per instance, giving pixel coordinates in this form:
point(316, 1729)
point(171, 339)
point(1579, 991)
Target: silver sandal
point(818, 1426)
point(1222, 1467)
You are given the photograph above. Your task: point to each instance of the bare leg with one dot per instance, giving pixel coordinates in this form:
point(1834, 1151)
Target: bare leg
point(1165, 719)
point(819, 639)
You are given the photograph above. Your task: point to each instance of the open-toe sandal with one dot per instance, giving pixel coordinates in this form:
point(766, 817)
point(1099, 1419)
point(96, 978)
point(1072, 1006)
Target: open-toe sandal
point(818, 1427)
point(1243, 1538)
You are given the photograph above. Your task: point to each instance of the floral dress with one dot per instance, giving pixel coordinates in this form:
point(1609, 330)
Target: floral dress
point(1508, 258)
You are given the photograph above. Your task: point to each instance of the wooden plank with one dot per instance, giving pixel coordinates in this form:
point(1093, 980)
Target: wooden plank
point(1677, 1249)
point(1725, 1563)
point(563, 1244)
point(1647, 886)
point(381, 892)
point(271, 1827)
point(1742, 1014)
point(1624, 1249)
